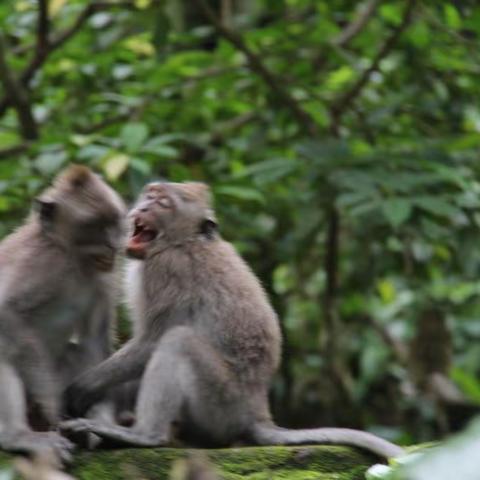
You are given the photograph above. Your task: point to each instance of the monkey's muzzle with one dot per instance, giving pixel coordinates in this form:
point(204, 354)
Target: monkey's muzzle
point(142, 235)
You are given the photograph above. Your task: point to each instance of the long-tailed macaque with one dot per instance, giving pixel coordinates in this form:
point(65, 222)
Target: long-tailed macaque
point(206, 340)
point(56, 302)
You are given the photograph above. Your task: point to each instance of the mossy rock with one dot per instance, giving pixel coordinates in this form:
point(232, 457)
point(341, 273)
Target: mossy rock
point(254, 463)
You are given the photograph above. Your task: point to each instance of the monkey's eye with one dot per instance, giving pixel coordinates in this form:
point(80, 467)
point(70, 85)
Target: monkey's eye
point(165, 202)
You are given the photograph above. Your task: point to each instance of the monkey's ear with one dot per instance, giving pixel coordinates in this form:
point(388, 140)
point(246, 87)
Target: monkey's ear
point(46, 209)
point(76, 175)
point(208, 227)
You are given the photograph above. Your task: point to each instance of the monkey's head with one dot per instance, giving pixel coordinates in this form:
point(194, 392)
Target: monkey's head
point(84, 215)
point(169, 213)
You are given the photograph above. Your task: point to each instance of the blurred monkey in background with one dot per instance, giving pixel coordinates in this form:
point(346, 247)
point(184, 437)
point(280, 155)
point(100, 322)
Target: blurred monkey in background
point(57, 302)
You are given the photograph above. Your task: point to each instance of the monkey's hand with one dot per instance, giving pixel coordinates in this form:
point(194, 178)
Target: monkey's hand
point(80, 396)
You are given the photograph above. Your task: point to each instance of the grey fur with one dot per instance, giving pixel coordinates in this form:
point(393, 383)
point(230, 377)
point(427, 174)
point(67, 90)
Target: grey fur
point(56, 306)
point(207, 342)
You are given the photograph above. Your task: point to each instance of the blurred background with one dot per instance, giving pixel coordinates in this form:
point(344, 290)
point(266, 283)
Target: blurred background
point(341, 140)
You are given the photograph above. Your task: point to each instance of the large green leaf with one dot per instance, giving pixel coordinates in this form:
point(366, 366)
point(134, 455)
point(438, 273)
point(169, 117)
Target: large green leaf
point(396, 210)
point(133, 135)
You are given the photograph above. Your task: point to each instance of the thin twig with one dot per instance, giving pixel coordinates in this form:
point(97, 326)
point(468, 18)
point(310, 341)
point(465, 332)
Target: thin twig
point(342, 103)
point(365, 13)
point(354, 28)
point(398, 348)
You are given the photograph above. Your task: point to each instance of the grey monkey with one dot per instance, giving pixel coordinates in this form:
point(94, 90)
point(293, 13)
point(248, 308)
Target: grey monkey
point(206, 340)
point(56, 302)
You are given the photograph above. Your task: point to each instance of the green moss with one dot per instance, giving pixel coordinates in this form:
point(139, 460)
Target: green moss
point(250, 463)
point(4, 460)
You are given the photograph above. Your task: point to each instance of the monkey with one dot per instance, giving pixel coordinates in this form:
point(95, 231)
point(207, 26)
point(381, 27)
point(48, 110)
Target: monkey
point(206, 340)
point(57, 301)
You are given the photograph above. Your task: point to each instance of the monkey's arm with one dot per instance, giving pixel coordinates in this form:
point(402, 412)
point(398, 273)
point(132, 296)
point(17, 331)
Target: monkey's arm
point(95, 333)
point(94, 346)
point(126, 364)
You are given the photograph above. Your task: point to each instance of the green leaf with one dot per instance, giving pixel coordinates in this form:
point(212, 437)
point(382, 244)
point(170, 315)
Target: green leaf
point(270, 170)
point(391, 12)
point(114, 165)
point(92, 151)
point(159, 146)
point(467, 383)
point(240, 193)
point(163, 151)
point(55, 6)
point(140, 166)
point(456, 458)
point(386, 289)
point(133, 135)
point(396, 210)
point(452, 17)
point(51, 161)
point(436, 205)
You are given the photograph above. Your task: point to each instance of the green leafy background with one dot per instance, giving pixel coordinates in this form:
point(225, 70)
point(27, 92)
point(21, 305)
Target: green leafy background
point(362, 228)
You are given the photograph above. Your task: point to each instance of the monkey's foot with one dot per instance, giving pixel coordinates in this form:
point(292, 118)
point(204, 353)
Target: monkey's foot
point(122, 435)
point(38, 443)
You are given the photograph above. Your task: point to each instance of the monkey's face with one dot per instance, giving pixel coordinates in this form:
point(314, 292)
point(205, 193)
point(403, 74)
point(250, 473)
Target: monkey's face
point(148, 218)
point(168, 212)
point(98, 238)
point(82, 213)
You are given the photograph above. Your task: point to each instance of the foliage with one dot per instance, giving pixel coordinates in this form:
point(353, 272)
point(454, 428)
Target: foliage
point(341, 142)
point(456, 458)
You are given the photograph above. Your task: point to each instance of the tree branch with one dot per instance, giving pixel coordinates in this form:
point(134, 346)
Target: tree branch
point(14, 150)
point(88, 11)
point(17, 97)
point(398, 348)
point(50, 44)
point(331, 273)
point(341, 104)
point(43, 26)
point(365, 13)
point(354, 28)
point(257, 66)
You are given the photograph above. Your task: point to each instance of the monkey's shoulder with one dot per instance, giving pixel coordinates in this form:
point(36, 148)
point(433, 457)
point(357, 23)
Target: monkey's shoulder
point(34, 272)
point(221, 263)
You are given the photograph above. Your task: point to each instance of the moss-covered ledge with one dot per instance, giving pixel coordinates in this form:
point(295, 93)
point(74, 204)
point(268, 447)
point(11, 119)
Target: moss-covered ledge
point(255, 463)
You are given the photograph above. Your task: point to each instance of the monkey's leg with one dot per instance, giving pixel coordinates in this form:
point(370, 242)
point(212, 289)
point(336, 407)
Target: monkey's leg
point(21, 348)
point(182, 364)
point(15, 433)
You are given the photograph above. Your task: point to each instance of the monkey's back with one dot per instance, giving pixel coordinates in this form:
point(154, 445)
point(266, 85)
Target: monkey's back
point(40, 283)
point(206, 285)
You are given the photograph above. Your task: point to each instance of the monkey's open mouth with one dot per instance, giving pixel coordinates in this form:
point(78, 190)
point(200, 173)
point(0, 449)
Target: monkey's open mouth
point(142, 235)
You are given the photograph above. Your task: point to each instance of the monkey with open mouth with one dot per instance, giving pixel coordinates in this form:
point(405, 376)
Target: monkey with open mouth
point(206, 340)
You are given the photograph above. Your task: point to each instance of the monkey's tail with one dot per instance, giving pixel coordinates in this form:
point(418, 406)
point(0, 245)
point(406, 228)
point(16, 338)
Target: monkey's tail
point(265, 434)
